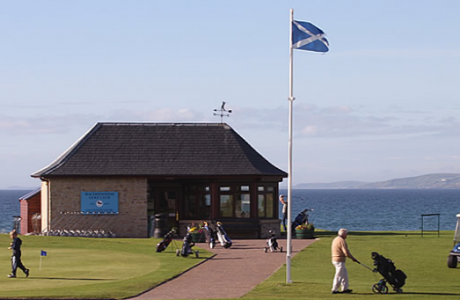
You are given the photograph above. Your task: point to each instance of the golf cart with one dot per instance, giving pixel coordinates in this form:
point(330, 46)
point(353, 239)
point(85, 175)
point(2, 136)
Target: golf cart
point(454, 255)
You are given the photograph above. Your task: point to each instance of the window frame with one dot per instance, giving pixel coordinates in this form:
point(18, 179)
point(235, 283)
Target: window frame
point(267, 191)
point(201, 194)
point(236, 195)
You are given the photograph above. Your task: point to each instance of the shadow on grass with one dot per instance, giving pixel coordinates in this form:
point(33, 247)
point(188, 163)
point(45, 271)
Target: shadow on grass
point(433, 294)
point(409, 293)
point(369, 233)
point(62, 278)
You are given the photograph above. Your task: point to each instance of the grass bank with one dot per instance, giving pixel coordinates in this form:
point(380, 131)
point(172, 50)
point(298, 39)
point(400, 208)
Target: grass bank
point(119, 268)
point(89, 268)
point(424, 260)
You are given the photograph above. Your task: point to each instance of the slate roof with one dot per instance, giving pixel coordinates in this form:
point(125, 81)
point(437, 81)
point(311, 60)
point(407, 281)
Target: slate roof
point(160, 149)
point(31, 194)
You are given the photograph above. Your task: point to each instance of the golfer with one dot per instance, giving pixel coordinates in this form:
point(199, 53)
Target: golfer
point(16, 258)
point(339, 254)
point(284, 202)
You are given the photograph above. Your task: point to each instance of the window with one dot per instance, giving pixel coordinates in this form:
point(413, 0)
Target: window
point(266, 201)
point(235, 201)
point(226, 206)
point(197, 201)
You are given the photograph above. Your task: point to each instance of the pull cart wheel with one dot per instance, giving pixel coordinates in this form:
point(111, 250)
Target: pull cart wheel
point(379, 289)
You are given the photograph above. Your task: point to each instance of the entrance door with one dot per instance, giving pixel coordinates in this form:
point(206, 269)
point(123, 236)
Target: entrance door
point(165, 199)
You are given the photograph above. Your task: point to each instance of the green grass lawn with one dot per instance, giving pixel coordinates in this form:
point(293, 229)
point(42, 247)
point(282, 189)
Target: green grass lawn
point(120, 268)
point(424, 260)
point(89, 268)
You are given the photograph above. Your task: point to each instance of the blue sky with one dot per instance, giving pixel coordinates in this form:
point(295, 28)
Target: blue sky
point(382, 104)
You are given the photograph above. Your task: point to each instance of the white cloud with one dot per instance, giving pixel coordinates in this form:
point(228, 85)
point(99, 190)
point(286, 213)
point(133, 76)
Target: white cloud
point(309, 120)
point(309, 130)
point(45, 124)
point(156, 115)
point(58, 123)
point(397, 53)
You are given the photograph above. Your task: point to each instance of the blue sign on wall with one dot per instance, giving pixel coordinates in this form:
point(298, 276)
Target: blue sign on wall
point(99, 202)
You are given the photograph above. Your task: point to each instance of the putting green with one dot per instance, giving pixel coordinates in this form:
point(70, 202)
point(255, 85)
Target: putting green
point(73, 267)
point(88, 268)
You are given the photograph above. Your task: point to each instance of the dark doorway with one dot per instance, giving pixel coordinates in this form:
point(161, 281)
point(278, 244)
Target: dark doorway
point(165, 198)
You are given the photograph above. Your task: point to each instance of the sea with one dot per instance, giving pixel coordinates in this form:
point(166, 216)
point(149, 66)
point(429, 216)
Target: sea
point(379, 210)
point(9, 208)
point(356, 210)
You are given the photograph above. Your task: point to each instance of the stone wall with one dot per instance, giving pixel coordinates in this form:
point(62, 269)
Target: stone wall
point(65, 205)
point(267, 225)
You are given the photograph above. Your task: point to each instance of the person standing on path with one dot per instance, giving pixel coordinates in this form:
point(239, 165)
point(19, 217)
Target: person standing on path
point(284, 202)
point(340, 252)
point(16, 258)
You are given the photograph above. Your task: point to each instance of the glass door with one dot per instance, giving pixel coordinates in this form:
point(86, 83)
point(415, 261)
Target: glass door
point(165, 199)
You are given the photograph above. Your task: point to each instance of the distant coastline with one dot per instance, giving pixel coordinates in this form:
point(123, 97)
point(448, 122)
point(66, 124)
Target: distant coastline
point(429, 181)
point(19, 188)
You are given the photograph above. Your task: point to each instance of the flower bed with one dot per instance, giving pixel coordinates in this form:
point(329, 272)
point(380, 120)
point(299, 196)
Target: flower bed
point(305, 231)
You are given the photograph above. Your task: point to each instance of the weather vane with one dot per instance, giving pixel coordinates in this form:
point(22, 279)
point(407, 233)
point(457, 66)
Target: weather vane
point(222, 112)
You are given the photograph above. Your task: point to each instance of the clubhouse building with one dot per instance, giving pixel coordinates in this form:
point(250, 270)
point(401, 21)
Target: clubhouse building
point(119, 177)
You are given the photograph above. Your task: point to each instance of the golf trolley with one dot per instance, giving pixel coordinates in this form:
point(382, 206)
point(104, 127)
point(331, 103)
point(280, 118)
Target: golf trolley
point(272, 243)
point(454, 255)
point(395, 277)
point(215, 232)
point(187, 247)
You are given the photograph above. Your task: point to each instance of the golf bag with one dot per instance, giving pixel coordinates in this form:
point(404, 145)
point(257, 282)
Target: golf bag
point(272, 243)
point(211, 235)
point(302, 218)
point(187, 247)
point(222, 236)
point(396, 278)
point(167, 239)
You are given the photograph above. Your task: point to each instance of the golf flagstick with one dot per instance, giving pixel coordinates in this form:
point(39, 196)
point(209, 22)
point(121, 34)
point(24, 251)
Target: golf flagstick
point(42, 253)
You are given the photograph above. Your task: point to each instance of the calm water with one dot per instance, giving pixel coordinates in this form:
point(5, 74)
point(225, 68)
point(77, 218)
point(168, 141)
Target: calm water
point(378, 210)
point(9, 207)
point(362, 210)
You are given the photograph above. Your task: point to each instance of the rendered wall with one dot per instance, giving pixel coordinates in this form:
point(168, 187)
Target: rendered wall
point(44, 205)
point(65, 205)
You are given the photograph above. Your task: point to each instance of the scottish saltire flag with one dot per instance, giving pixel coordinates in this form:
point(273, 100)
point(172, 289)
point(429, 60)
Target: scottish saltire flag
point(43, 253)
point(306, 36)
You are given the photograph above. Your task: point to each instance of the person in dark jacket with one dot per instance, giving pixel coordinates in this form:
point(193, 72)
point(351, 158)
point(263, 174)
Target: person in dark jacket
point(16, 258)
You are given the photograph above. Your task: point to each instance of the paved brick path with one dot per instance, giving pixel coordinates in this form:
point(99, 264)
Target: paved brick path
point(231, 273)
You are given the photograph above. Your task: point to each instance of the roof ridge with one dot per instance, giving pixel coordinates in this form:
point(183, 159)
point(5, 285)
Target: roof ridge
point(30, 194)
point(162, 124)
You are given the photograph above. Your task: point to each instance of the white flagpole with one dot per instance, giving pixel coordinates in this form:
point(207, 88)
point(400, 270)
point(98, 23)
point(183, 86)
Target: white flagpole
point(289, 208)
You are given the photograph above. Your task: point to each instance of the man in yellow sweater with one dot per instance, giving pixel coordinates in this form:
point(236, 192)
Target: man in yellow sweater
point(339, 254)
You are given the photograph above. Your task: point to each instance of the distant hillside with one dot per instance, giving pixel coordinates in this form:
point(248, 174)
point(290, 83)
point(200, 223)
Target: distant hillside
point(20, 188)
point(333, 185)
point(430, 181)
